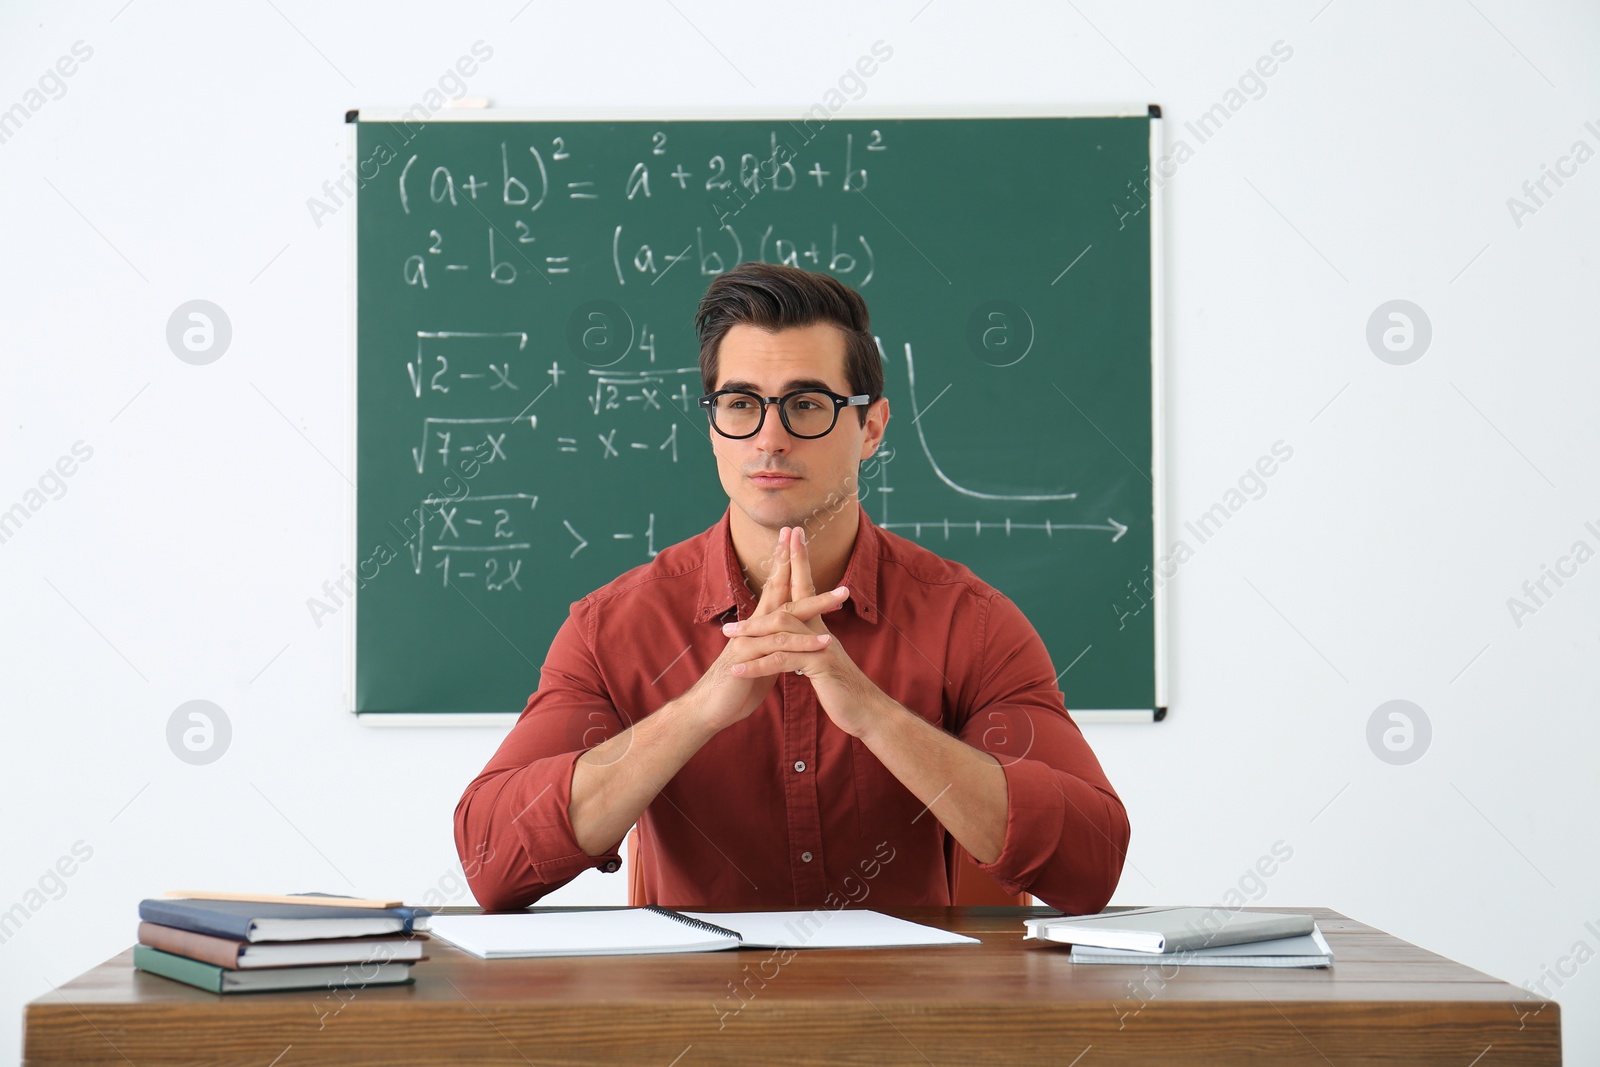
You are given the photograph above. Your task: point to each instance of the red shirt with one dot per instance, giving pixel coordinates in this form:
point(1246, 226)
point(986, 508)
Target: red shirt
point(784, 810)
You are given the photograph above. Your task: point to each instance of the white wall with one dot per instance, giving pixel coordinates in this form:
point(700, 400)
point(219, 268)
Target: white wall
point(1376, 165)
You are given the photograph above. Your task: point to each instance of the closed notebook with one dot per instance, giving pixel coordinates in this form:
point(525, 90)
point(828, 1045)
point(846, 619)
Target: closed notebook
point(1168, 929)
point(240, 920)
point(246, 955)
point(1307, 950)
point(216, 979)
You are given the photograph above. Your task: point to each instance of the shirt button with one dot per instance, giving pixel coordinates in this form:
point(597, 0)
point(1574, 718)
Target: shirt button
point(805, 857)
point(799, 765)
point(611, 867)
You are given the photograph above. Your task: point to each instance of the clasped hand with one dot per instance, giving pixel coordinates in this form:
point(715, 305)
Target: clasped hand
point(786, 633)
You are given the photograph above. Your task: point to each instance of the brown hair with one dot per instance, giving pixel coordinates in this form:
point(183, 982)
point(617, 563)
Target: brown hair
point(774, 297)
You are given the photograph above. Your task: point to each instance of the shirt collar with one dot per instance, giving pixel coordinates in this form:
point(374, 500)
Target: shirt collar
point(723, 589)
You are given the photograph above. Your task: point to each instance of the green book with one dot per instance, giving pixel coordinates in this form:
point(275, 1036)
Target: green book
point(214, 979)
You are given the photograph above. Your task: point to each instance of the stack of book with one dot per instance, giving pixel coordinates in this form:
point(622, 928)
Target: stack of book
point(1202, 937)
point(239, 943)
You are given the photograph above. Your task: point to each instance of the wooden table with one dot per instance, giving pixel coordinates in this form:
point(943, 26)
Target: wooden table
point(1007, 1001)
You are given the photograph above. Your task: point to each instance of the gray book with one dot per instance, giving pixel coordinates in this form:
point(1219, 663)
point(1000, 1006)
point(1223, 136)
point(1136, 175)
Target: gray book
point(1307, 950)
point(1168, 929)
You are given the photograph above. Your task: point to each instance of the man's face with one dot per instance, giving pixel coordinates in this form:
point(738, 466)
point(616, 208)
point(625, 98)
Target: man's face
point(816, 473)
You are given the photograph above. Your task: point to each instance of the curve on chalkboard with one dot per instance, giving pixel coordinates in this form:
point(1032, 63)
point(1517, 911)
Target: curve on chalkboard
point(922, 438)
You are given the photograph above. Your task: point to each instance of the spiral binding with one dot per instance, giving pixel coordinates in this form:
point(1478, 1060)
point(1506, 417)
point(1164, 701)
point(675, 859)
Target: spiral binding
point(698, 924)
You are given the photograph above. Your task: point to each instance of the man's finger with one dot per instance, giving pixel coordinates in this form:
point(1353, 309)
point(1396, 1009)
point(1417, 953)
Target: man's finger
point(800, 587)
point(749, 648)
point(778, 663)
point(802, 612)
point(775, 592)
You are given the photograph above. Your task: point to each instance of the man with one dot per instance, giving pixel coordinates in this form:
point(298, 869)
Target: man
point(781, 747)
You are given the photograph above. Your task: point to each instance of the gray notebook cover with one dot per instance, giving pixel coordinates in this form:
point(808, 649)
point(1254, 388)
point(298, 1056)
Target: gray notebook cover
point(1169, 929)
point(1308, 950)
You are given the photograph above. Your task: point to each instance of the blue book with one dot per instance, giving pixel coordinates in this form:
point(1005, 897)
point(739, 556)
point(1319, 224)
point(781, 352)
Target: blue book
point(242, 920)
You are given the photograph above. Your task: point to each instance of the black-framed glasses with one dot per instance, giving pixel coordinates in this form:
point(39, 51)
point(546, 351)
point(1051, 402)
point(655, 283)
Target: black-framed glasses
point(806, 413)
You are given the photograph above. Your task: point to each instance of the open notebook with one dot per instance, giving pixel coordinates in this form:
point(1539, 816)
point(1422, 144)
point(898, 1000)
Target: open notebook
point(637, 931)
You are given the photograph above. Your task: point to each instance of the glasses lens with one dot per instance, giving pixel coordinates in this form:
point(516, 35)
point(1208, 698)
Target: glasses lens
point(736, 414)
point(810, 414)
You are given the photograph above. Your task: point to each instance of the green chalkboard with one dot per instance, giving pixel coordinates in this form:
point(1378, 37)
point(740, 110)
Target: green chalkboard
point(526, 369)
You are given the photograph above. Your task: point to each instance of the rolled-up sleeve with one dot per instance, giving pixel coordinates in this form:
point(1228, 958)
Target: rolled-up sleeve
point(512, 825)
point(1066, 834)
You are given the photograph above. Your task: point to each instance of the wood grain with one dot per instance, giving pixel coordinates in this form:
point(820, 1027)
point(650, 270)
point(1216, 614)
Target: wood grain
point(1383, 1002)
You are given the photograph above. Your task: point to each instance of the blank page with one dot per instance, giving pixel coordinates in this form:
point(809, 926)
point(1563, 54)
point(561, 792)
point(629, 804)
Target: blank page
point(633, 931)
point(828, 928)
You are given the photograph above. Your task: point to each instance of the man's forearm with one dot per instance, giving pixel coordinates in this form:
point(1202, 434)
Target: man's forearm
point(614, 782)
point(964, 788)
